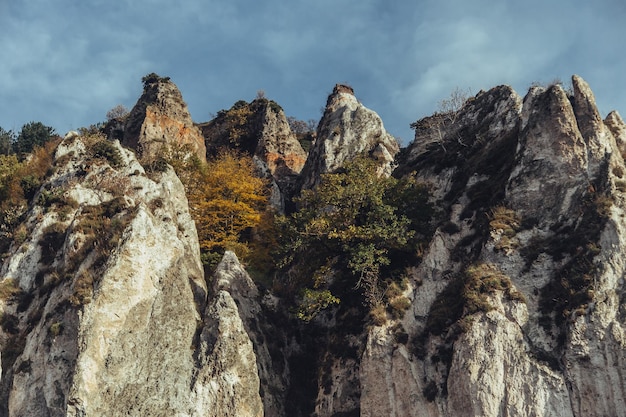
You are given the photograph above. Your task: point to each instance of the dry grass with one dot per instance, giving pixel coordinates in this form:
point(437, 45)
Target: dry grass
point(503, 218)
point(9, 289)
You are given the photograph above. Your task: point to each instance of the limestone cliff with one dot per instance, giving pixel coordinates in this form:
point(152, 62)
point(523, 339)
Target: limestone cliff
point(161, 117)
point(517, 301)
point(534, 208)
point(111, 315)
point(347, 129)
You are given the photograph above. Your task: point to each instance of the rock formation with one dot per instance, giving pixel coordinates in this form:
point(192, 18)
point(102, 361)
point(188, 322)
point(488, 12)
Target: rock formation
point(348, 129)
point(260, 129)
point(161, 117)
point(517, 302)
point(533, 191)
point(112, 315)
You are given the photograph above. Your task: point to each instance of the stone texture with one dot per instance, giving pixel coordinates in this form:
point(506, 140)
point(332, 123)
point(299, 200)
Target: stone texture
point(348, 129)
point(235, 288)
point(147, 336)
point(279, 152)
point(161, 117)
point(120, 328)
point(518, 359)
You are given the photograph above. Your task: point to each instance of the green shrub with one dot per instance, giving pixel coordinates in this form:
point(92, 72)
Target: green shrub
point(103, 226)
point(398, 306)
point(56, 329)
point(483, 279)
point(82, 289)
point(505, 219)
point(314, 301)
point(153, 78)
point(378, 315)
point(467, 294)
point(358, 221)
point(107, 150)
point(51, 242)
point(30, 184)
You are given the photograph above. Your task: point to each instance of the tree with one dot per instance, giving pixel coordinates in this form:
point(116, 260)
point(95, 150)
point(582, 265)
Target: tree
point(153, 78)
point(19, 182)
point(7, 140)
point(353, 223)
point(438, 125)
point(117, 112)
point(33, 134)
point(226, 197)
point(228, 202)
point(300, 127)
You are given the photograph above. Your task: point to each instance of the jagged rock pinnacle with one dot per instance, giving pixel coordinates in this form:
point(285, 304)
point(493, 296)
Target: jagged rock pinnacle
point(348, 129)
point(161, 117)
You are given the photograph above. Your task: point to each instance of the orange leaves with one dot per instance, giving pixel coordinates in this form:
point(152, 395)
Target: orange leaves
point(227, 200)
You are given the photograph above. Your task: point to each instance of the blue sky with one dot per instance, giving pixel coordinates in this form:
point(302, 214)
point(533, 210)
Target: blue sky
point(67, 62)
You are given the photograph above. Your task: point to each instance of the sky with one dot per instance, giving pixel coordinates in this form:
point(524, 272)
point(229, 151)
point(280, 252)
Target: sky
point(65, 63)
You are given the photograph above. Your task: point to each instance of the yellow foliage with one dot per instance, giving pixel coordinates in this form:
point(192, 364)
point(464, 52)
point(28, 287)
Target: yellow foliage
point(226, 198)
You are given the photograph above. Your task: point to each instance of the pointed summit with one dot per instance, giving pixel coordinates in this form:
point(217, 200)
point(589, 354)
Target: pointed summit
point(348, 129)
point(161, 117)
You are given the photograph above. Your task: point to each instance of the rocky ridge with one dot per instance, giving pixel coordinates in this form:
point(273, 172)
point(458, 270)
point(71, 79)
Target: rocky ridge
point(260, 130)
point(113, 303)
point(517, 306)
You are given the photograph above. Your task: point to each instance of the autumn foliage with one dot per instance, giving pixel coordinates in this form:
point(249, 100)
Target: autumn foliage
point(19, 182)
point(228, 201)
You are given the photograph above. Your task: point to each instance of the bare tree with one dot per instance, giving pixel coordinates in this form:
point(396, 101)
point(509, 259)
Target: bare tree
point(436, 126)
point(117, 112)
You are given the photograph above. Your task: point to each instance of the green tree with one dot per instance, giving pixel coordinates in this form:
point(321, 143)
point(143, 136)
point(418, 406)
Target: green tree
point(153, 78)
point(33, 134)
point(353, 222)
point(7, 139)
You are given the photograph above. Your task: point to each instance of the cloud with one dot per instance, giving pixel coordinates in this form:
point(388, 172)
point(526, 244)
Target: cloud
point(66, 63)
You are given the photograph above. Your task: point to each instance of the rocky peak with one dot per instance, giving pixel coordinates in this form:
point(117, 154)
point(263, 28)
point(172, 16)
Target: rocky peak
point(277, 145)
point(161, 117)
point(532, 193)
point(590, 124)
point(553, 157)
point(617, 127)
point(346, 130)
point(259, 129)
point(516, 305)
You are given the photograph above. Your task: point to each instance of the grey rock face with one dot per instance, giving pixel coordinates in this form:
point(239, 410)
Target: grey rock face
point(260, 130)
point(280, 154)
point(557, 347)
point(348, 129)
point(116, 319)
point(269, 374)
point(517, 305)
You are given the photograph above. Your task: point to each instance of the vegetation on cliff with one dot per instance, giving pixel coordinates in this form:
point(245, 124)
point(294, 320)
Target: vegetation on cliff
point(227, 199)
point(349, 228)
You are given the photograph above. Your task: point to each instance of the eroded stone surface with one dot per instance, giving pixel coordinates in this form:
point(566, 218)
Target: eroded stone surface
point(348, 129)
